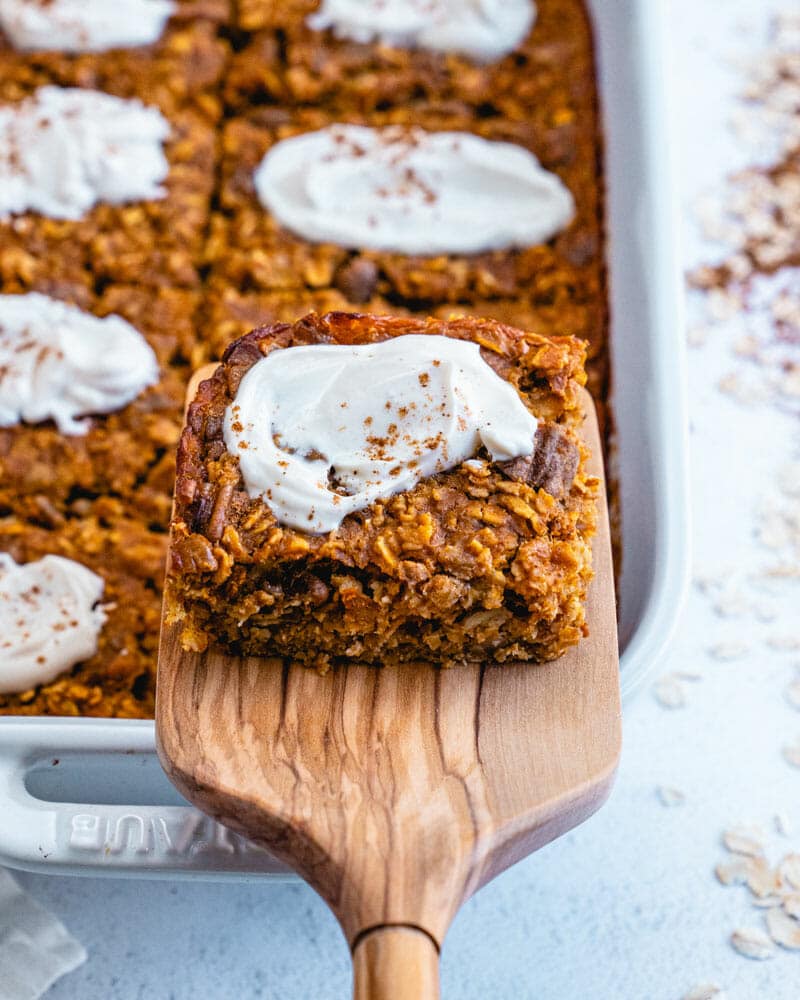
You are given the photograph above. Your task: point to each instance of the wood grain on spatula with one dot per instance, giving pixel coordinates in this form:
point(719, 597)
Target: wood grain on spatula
point(398, 791)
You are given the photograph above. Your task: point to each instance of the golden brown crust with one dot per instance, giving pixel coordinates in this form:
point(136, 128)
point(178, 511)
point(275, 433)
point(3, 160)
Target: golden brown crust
point(469, 564)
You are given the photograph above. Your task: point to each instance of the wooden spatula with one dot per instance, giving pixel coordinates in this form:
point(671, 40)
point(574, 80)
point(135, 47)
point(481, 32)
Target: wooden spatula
point(397, 792)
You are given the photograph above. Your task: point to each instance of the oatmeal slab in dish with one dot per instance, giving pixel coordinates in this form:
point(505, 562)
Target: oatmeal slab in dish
point(132, 381)
point(553, 287)
point(207, 263)
point(542, 72)
point(119, 679)
point(251, 248)
point(179, 61)
point(486, 559)
point(141, 219)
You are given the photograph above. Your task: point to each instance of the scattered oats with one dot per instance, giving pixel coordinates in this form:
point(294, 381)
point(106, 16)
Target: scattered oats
point(747, 840)
point(743, 392)
point(789, 383)
point(780, 571)
point(697, 336)
point(762, 879)
point(791, 754)
point(670, 796)
point(783, 929)
point(739, 266)
point(791, 903)
point(669, 692)
point(767, 902)
point(723, 304)
point(732, 872)
point(727, 651)
point(752, 943)
point(793, 694)
point(784, 643)
point(703, 277)
point(705, 991)
point(785, 310)
point(746, 346)
point(731, 606)
point(707, 583)
point(789, 870)
point(757, 281)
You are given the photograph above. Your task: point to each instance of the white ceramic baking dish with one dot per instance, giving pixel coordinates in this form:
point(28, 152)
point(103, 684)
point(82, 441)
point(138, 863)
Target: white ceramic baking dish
point(88, 796)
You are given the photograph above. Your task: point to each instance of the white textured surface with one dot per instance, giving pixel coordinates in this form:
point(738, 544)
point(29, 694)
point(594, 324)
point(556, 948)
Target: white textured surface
point(627, 907)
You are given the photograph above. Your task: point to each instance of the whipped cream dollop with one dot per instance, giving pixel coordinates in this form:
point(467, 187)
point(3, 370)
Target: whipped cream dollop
point(60, 363)
point(49, 619)
point(83, 25)
point(411, 191)
point(325, 430)
point(63, 150)
point(483, 29)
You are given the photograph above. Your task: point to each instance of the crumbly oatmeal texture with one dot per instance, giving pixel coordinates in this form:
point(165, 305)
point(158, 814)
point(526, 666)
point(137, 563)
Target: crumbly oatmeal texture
point(119, 680)
point(482, 561)
point(127, 454)
point(205, 265)
point(157, 243)
point(184, 67)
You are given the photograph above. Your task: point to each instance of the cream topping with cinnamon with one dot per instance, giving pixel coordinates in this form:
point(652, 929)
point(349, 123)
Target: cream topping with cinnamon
point(50, 619)
point(83, 25)
point(324, 430)
point(486, 30)
point(60, 363)
point(411, 191)
point(63, 150)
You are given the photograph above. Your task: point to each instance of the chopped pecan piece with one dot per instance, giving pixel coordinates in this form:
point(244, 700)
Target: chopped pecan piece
point(193, 554)
point(358, 280)
point(552, 464)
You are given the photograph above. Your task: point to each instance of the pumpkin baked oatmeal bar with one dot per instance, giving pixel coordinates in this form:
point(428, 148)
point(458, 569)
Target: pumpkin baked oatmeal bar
point(547, 76)
point(557, 287)
point(182, 66)
point(119, 679)
point(250, 249)
point(485, 559)
point(151, 242)
point(127, 453)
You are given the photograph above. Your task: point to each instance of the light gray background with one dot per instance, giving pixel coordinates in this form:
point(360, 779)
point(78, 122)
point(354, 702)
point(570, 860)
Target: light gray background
point(626, 908)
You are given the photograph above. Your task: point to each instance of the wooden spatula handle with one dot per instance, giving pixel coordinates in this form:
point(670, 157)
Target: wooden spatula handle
point(395, 963)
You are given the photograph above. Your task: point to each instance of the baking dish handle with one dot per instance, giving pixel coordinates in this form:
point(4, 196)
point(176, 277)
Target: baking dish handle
point(38, 833)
